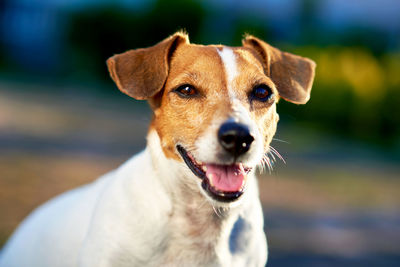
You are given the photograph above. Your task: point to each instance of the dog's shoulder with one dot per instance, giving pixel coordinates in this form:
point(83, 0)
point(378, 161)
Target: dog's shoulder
point(132, 213)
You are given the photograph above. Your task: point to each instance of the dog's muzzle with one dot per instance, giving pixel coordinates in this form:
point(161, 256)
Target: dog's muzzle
point(224, 182)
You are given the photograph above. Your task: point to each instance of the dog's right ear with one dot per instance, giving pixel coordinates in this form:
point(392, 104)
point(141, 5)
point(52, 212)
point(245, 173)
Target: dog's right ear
point(141, 73)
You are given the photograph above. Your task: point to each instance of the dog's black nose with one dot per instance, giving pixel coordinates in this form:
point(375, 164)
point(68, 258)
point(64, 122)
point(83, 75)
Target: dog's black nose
point(235, 138)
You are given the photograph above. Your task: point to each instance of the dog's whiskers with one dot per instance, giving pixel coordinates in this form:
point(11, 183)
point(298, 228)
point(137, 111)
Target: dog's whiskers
point(268, 163)
point(216, 211)
point(219, 211)
point(272, 156)
point(270, 159)
point(274, 151)
point(190, 147)
point(280, 140)
point(202, 204)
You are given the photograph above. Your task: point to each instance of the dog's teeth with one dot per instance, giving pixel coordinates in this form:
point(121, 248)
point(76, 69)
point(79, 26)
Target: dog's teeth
point(210, 179)
point(205, 168)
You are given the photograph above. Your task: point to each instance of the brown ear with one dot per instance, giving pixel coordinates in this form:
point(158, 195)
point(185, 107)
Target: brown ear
point(293, 75)
point(141, 73)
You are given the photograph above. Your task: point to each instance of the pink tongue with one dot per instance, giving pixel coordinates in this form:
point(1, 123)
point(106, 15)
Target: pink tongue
point(226, 178)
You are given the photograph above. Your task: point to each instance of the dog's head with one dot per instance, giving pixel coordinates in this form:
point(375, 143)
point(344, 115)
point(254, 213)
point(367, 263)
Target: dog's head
point(214, 106)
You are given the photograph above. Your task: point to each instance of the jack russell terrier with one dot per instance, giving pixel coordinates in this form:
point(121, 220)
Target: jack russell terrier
point(191, 197)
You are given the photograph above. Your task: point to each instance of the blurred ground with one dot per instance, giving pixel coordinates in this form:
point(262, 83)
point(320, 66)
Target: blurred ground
point(334, 203)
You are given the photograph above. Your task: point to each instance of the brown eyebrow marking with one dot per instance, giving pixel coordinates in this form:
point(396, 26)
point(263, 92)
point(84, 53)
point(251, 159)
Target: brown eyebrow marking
point(191, 75)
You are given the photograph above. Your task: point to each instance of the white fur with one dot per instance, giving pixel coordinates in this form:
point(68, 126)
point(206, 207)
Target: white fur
point(137, 215)
point(230, 65)
point(207, 146)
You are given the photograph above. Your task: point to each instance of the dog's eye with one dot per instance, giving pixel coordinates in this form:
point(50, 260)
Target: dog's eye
point(186, 90)
point(262, 93)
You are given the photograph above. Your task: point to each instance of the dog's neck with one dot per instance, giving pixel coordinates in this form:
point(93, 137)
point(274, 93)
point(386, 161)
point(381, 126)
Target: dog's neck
point(193, 220)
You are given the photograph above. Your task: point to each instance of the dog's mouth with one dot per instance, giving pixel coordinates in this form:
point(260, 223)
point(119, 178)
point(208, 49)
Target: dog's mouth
point(224, 183)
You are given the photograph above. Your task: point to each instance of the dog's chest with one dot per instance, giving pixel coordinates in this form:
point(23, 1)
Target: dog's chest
point(203, 237)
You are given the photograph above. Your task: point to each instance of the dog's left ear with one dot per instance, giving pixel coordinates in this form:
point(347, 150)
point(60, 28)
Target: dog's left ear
point(141, 73)
point(293, 75)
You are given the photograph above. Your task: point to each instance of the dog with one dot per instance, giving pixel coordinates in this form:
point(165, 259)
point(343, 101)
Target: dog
point(191, 197)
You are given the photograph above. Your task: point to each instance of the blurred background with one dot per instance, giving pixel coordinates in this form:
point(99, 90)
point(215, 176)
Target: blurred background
point(336, 200)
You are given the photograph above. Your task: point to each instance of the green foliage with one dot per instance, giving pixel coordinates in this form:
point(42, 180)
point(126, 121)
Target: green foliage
point(355, 93)
point(96, 35)
point(250, 25)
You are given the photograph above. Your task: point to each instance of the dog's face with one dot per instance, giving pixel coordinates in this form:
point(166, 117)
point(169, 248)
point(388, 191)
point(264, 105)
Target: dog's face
point(214, 106)
point(218, 112)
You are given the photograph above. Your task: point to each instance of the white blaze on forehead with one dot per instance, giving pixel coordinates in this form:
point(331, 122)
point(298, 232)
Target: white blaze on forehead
point(229, 60)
